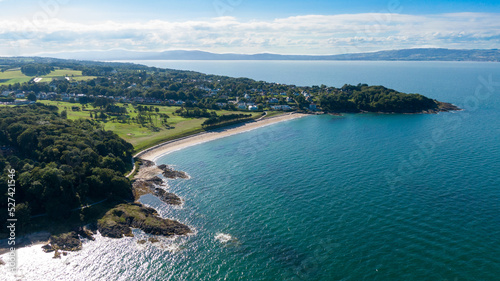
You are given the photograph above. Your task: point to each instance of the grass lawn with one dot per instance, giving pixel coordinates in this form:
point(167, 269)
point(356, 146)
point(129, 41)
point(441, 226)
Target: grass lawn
point(139, 136)
point(13, 76)
point(274, 113)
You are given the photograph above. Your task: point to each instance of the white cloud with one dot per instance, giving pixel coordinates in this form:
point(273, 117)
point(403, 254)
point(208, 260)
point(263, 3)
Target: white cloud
point(308, 34)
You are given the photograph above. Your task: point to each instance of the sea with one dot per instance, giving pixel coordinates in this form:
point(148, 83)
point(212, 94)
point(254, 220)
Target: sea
point(352, 197)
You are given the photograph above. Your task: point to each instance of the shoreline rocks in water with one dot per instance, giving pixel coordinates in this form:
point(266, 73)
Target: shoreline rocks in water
point(167, 197)
point(69, 241)
point(171, 173)
point(145, 184)
point(142, 187)
point(119, 221)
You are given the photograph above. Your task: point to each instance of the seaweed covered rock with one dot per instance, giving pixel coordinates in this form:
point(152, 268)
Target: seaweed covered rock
point(119, 220)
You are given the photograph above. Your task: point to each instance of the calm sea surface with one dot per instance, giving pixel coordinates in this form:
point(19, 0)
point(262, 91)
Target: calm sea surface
point(357, 197)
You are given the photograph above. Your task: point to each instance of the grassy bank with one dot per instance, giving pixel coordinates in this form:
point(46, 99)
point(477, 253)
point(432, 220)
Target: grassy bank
point(142, 137)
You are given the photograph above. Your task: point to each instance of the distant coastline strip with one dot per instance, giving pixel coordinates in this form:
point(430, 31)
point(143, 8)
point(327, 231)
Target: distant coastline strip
point(155, 152)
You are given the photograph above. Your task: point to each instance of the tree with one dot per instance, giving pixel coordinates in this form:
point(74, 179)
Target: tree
point(35, 69)
point(23, 215)
point(32, 97)
point(64, 114)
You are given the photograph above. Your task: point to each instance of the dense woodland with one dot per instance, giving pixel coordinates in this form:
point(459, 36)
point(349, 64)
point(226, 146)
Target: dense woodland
point(374, 99)
point(60, 164)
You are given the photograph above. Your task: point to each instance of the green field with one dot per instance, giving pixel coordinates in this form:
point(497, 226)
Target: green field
point(13, 76)
point(139, 136)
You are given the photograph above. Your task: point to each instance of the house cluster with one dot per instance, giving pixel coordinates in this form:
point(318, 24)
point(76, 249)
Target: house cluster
point(283, 107)
point(15, 94)
point(247, 102)
point(20, 98)
point(245, 105)
point(210, 92)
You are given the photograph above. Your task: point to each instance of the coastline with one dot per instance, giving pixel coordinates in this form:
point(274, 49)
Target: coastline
point(36, 238)
point(152, 154)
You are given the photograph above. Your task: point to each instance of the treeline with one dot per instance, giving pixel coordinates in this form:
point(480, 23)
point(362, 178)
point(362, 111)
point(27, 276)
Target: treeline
point(224, 119)
point(374, 99)
point(195, 112)
point(36, 69)
point(60, 164)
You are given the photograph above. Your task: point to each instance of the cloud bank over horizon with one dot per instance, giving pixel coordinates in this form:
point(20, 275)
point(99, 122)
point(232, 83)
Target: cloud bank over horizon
point(305, 34)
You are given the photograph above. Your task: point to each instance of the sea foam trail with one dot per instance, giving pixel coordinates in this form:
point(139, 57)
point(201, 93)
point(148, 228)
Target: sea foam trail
point(224, 238)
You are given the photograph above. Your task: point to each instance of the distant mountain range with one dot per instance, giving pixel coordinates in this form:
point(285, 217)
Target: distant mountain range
point(423, 54)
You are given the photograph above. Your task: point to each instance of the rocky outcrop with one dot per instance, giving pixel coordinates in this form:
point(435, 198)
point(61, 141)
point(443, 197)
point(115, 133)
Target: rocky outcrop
point(145, 186)
point(147, 163)
point(119, 220)
point(85, 232)
point(47, 248)
point(444, 106)
point(69, 241)
point(167, 197)
point(153, 240)
point(171, 173)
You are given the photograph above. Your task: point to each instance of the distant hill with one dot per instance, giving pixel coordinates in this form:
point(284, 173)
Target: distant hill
point(423, 54)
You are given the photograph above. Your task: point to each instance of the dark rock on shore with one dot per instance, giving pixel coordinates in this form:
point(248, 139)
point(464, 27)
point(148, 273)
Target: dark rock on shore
point(171, 173)
point(66, 242)
point(69, 241)
point(84, 232)
point(153, 240)
point(114, 230)
point(167, 197)
point(155, 180)
point(149, 186)
point(47, 248)
point(444, 106)
point(118, 222)
point(92, 227)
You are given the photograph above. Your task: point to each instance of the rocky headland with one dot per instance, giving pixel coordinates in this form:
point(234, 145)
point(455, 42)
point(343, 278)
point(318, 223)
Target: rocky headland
point(118, 222)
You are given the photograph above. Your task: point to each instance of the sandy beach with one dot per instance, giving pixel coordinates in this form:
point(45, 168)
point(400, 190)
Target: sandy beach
point(155, 152)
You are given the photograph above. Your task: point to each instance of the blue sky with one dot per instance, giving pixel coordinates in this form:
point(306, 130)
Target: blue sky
point(246, 26)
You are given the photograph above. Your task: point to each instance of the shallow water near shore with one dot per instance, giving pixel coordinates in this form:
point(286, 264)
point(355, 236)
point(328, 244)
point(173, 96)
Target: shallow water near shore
point(356, 197)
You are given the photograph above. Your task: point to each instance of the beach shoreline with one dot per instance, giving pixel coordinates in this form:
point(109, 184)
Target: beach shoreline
point(155, 152)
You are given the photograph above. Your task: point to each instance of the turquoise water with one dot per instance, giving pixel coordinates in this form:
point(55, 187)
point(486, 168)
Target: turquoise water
point(357, 197)
point(316, 198)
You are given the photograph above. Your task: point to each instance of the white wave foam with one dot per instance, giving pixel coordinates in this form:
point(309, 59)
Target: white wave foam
point(224, 238)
